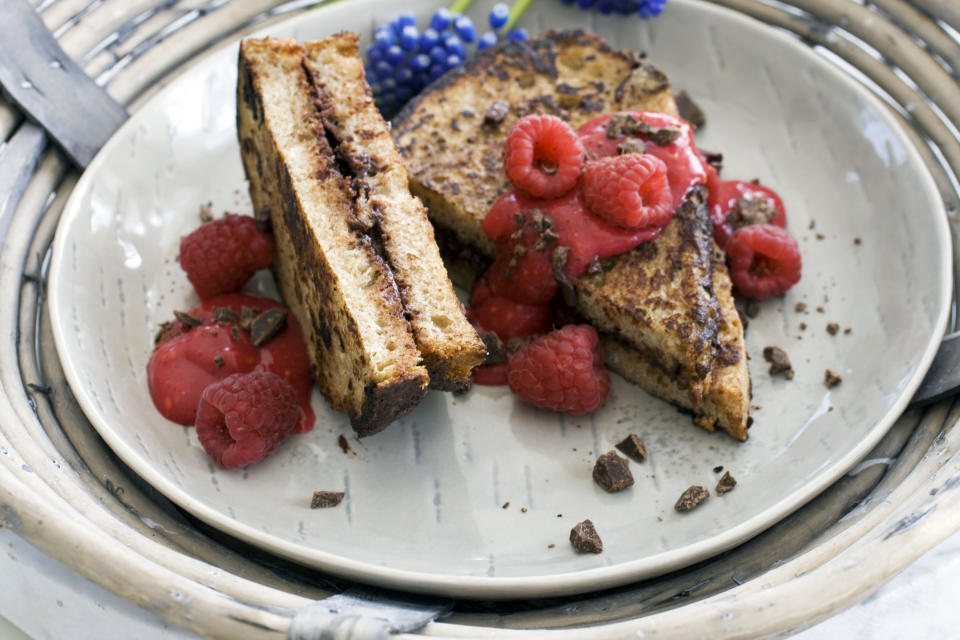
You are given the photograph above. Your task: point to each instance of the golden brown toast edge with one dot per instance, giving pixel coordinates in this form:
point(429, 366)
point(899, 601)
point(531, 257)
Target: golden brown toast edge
point(313, 285)
point(448, 343)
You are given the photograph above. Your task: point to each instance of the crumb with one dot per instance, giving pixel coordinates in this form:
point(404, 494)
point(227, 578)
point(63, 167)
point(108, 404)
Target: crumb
point(832, 328)
point(523, 509)
point(752, 308)
point(857, 241)
point(847, 331)
point(585, 539)
point(813, 223)
point(344, 445)
point(831, 379)
point(206, 212)
point(820, 236)
point(820, 310)
point(691, 498)
point(659, 518)
point(612, 472)
point(632, 447)
point(718, 468)
point(551, 546)
point(800, 307)
point(779, 362)
point(726, 483)
point(325, 499)
point(218, 360)
point(803, 326)
point(505, 505)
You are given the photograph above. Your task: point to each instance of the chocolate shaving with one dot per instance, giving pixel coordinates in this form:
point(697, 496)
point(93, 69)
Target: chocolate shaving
point(713, 158)
point(691, 498)
point(594, 267)
point(689, 110)
point(833, 328)
point(632, 447)
point(267, 325)
point(326, 499)
point(749, 211)
point(225, 314)
point(218, 360)
point(585, 539)
point(496, 352)
point(831, 379)
point(547, 238)
point(800, 307)
point(235, 333)
point(344, 444)
point(187, 320)
point(726, 483)
point(247, 316)
point(559, 260)
point(612, 472)
point(496, 113)
point(779, 362)
point(166, 330)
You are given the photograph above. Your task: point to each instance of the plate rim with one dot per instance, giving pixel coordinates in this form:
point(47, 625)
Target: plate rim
point(492, 587)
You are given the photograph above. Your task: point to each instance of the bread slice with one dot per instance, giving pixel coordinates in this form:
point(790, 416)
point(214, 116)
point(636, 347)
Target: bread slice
point(386, 210)
point(337, 285)
point(665, 309)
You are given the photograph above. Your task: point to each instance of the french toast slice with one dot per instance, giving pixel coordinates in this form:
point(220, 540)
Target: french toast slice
point(665, 309)
point(384, 206)
point(362, 350)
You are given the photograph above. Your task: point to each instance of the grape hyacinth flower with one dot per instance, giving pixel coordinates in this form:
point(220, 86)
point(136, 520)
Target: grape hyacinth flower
point(643, 8)
point(402, 59)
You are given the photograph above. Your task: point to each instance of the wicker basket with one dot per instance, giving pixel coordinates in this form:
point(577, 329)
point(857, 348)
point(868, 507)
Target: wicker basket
point(63, 490)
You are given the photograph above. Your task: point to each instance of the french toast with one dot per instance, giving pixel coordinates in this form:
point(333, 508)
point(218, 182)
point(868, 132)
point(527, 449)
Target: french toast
point(665, 310)
point(336, 258)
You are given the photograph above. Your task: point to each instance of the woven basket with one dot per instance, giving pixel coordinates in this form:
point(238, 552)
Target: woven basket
point(63, 490)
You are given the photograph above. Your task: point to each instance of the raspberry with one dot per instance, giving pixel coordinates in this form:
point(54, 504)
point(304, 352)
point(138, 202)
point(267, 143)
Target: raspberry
point(221, 255)
point(543, 156)
point(509, 319)
point(630, 191)
point(764, 260)
point(562, 370)
point(244, 417)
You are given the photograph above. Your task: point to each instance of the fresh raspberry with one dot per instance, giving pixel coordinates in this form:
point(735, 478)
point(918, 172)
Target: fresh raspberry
point(509, 319)
point(221, 255)
point(764, 260)
point(244, 417)
point(562, 370)
point(543, 156)
point(630, 191)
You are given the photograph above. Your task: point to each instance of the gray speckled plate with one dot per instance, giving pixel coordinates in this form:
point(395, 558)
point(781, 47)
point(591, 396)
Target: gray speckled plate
point(423, 510)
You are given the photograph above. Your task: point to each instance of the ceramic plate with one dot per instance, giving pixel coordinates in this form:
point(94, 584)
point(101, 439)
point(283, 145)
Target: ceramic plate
point(425, 506)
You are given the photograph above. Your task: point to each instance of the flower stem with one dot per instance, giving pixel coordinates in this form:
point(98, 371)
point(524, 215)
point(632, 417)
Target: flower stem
point(460, 6)
point(516, 11)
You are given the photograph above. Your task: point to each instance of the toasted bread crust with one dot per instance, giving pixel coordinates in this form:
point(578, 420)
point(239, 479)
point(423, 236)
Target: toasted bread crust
point(665, 308)
point(363, 354)
point(384, 207)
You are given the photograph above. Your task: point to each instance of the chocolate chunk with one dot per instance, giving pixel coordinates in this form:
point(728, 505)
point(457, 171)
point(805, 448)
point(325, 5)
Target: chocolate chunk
point(800, 307)
point(726, 483)
point(831, 379)
point(344, 444)
point(225, 314)
point(691, 498)
point(632, 447)
point(713, 158)
point(266, 325)
point(218, 360)
point(547, 238)
point(165, 331)
point(689, 110)
point(833, 328)
point(247, 316)
point(585, 539)
point(505, 504)
point(559, 260)
point(857, 241)
point(615, 125)
point(187, 320)
point(718, 468)
point(496, 352)
point(663, 135)
point(262, 220)
point(324, 499)
point(612, 472)
point(747, 211)
point(631, 145)
point(645, 79)
point(496, 113)
point(779, 362)
point(803, 326)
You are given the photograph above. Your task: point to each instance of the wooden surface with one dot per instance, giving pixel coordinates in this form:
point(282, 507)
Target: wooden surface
point(63, 490)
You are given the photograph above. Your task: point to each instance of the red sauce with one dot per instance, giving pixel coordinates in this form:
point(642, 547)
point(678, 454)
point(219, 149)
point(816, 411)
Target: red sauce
point(183, 365)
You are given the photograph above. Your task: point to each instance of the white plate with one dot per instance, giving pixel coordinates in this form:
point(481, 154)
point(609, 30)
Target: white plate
point(423, 507)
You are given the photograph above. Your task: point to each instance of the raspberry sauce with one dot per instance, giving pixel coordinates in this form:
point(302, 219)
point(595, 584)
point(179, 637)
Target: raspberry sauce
point(724, 195)
point(187, 360)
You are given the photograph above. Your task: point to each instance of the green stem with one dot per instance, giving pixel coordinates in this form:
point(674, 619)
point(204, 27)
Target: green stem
point(516, 11)
point(460, 6)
